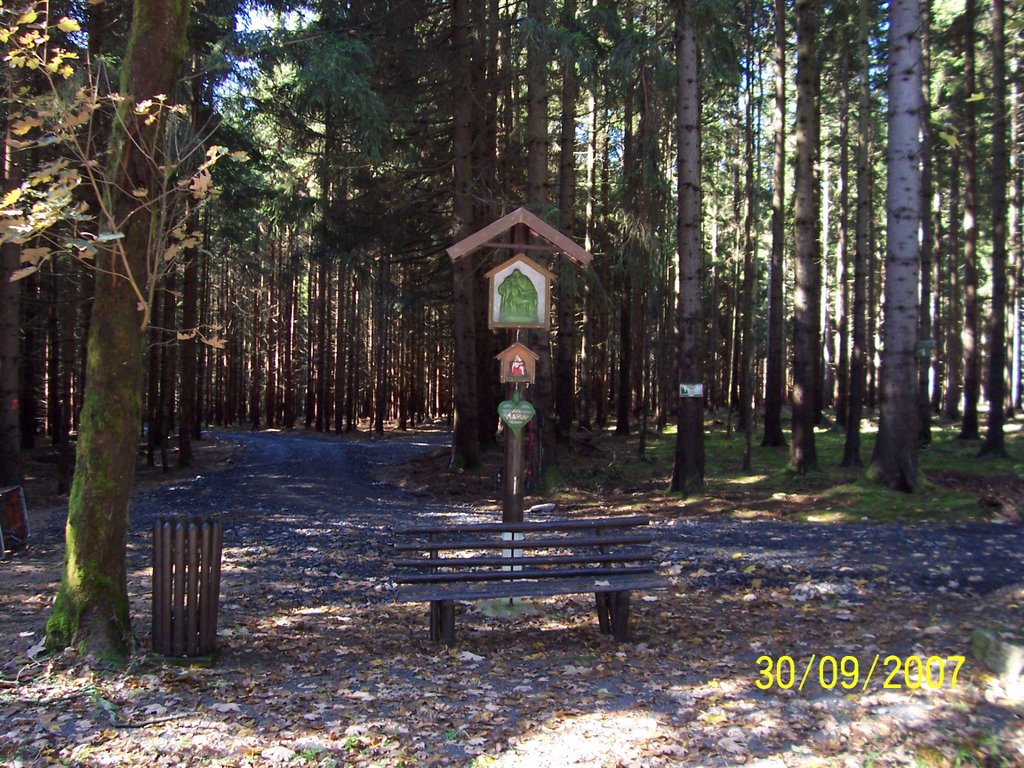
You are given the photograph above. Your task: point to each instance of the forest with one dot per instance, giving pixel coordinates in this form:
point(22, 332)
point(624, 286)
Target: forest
point(317, 274)
point(769, 191)
point(376, 134)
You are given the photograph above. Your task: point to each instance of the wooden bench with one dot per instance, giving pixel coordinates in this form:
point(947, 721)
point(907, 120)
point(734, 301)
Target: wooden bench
point(481, 561)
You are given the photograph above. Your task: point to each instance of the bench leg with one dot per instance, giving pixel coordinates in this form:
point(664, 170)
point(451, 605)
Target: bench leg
point(442, 621)
point(603, 602)
point(620, 615)
point(435, 621)
point(448, 622)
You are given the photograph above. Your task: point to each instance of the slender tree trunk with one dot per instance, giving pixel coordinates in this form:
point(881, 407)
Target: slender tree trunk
point(843, 245)
point(290, 393)
point(565, 286)
point(30, 359)
point(749, 216)
point(896, 447)
point(1016, 234)
point(188, 413)
point(776, 368)
point(954, 356)
point(972, 338)
point(382, 321)
point(803, 452)
point(537, 138)
point(466, 442)
point(91, 608)
point(256, 357)
point(995, 444)
point(340, 352)
point(10, 319)
point(688, 468)
point(926, 345)
point(859, 342)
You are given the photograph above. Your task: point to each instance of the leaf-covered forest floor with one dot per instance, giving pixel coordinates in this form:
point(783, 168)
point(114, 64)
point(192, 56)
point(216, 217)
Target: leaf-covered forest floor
point(319, 667)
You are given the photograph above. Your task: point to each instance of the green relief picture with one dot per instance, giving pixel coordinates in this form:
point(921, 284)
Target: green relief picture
point(519, 299)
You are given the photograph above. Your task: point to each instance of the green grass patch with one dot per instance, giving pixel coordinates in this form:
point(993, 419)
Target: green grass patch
point(611, 469)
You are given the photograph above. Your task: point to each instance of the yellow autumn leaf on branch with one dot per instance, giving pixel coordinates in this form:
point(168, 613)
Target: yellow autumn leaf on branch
point(68, 25)
point(28, 18)
point(201, 184)
point(11, 198)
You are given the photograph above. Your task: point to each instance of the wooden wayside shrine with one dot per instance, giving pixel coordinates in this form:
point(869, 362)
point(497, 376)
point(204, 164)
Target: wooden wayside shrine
point(553, 239)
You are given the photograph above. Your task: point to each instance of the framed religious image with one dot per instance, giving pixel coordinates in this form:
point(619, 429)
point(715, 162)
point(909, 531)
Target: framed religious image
point(519, 294)
point(518, 364)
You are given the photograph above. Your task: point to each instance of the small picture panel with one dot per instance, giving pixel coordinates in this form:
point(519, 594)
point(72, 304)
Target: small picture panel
point(518, 364)
point(519, 295)
point(691, 390)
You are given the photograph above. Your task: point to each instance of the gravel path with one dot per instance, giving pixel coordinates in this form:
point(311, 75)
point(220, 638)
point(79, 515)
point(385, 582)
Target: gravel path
point(312, 495)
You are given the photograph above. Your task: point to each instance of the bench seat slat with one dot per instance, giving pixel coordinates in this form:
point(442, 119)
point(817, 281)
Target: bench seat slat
point(568, 543)
point(420, 593)
point(533, 573)
point(627, 556)
point(559, 525)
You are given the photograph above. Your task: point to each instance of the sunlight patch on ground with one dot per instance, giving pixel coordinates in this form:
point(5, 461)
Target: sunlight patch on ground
point(583, 740)
point(826, 517)
point(745, 480)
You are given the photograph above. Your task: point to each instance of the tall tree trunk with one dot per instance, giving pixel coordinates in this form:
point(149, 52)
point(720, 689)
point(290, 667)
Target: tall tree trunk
point(537, 95)
point(803, 452)
point(31, 358)
point(565, 286)
point(466, 442)
point(954, 356)
point(995, 444)
point(925, 350)
point(381, 372)
point(10, 337)
point(972, 338)
point(188, 414)
point(776, 368)
point(749, 216)
point(1016, 234)
point(91, 608)
point(843, 244)
point(168, 366)
point(896, 447)
point(859, 341)
point(688, 468)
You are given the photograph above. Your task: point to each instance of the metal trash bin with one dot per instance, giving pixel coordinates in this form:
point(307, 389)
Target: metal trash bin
point(186, 585)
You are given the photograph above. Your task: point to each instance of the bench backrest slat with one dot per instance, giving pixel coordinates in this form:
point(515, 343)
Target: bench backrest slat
point(559, 525)
point(553, 543)
point(624, 556)
point(522, 575)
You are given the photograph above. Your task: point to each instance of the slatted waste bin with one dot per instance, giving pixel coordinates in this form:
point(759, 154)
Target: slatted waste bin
point(186, 585)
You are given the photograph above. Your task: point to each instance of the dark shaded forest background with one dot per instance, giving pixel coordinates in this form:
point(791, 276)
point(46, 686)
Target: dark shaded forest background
point(378, 133)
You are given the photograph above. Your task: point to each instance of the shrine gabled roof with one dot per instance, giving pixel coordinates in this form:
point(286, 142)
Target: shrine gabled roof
point(517, 348)
point(537, 225)
point(526, 261)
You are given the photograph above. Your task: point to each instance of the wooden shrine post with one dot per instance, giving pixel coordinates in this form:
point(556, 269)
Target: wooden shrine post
point(519, 298)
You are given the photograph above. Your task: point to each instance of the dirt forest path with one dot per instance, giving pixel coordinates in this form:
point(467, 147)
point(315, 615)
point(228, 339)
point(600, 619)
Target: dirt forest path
point(320, 667)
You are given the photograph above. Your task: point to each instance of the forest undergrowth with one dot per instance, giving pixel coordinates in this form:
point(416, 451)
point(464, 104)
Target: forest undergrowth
point(602, 470)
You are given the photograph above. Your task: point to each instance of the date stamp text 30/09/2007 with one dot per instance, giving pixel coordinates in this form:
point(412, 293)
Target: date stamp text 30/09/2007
point(849, 673)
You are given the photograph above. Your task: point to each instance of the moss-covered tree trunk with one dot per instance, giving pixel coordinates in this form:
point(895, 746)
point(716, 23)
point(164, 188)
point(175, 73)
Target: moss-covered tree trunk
point(91, 610)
